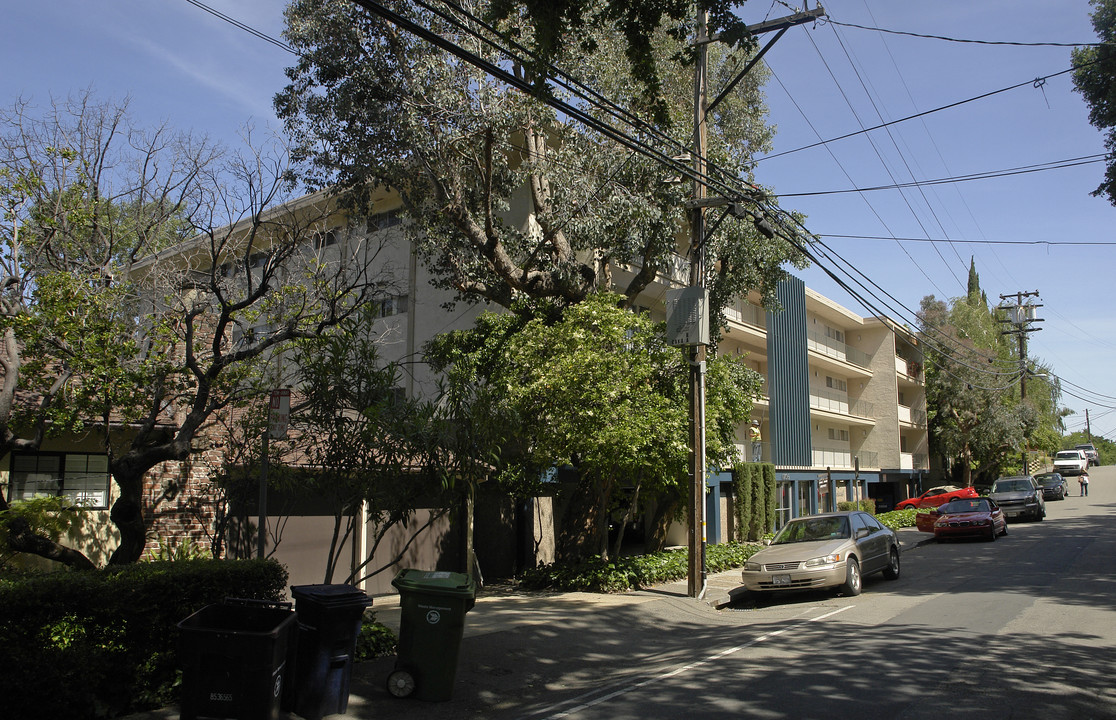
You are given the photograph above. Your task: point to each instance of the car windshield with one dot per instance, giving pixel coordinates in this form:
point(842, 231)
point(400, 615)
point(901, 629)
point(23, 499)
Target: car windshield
point(806, 529)
point(1067, 455)
point(1048, 479)
point(1011, 486)
point(964, 506)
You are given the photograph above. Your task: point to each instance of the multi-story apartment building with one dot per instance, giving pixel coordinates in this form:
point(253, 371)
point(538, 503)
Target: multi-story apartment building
point(842, 415)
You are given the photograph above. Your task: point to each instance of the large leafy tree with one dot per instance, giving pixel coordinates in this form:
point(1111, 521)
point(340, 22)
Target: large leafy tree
point(508, 198)
point(1094, 77)
point(600, 391)
point(104, 333)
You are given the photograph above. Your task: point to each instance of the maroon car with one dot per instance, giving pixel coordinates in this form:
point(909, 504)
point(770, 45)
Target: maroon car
point(974, 517)
point(935, 497)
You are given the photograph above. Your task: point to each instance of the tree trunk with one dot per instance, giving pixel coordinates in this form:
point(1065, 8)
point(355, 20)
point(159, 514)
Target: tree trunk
point(127, 516)
point(23, 539)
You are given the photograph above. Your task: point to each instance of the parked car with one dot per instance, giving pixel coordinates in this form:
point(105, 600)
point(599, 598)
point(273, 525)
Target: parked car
point(1019, 496)
point(1054, 486)
point(1091, 453)
point(824, 551)
point(1071, 462)
point(937, 496)
point(974, 517)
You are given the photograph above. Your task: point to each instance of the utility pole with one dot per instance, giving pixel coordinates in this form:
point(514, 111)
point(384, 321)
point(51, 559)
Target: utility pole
point(1088, 430)
point(1020, 316)
point(693, 302)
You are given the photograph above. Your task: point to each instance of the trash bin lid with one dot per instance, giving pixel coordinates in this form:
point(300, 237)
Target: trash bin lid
point(436, 582)
point(331, 595)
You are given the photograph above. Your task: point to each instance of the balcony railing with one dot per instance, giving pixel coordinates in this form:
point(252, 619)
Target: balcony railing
point(746, 313)
point(914, 461)
point(838, 402)
point(836, 349)
point(844, 459)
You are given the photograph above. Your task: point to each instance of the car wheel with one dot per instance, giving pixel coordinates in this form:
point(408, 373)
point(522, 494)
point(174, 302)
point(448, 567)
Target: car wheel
point(992, 534)
point(1005, 528)
point(851, 587)
point(891, 572)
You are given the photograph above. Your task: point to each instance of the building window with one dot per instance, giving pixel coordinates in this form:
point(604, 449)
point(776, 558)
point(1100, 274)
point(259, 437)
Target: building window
point(836, 384)
point(834, 334)
point(838, 434)
point(383, 221)
point(393, 305)
point(325, 239)
point(256, 260)
point(81, 477)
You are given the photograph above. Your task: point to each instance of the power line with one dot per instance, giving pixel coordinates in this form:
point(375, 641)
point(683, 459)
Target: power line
point(246, 28)
point(1050, 243)
point(1032, 83)
point(986, 175)
point(973, 42)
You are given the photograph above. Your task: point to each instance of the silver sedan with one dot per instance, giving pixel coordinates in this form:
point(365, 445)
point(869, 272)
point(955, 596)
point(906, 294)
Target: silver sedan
point(824, 551)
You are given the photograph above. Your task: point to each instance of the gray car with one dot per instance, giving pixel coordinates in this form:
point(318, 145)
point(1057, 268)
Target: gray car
point(835, 550)
point(1019, 496)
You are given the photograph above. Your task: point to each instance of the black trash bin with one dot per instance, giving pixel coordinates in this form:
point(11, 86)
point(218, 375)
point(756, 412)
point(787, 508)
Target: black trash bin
point(431, 622)
point(235, 658)
point(329, 620)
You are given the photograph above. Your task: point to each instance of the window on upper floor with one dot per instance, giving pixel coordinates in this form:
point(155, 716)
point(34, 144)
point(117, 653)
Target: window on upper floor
point(325, 239)
point(836, 384)
point(834, 334)
point(384, 220)
point(81, 477)
point(838, 434)
point(393, 305)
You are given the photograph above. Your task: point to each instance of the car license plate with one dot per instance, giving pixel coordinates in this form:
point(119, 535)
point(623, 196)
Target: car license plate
point(780, 580)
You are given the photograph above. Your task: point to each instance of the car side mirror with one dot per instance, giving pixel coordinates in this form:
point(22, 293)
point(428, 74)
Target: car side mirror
point(862, 532)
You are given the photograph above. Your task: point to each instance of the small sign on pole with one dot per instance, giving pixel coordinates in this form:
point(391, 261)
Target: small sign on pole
point(280, 414)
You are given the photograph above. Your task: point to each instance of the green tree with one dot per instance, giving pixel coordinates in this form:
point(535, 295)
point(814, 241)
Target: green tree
point(598, 390)
point(367, 445)
point(1094, 76)
point(509, 199)
point(103, 333)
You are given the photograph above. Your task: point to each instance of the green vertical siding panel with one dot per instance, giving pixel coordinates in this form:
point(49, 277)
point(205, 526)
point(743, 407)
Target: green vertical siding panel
point(788, 374)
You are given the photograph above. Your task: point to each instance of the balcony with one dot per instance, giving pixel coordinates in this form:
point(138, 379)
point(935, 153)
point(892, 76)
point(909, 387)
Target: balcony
point(843, 459)
point(836, 401)
point(836, 349)
point(914, 461)
point(746, 313)
point(912, 416)
point(911, 369)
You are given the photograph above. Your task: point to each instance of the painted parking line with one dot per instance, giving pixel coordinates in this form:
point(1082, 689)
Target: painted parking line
point(584, 704)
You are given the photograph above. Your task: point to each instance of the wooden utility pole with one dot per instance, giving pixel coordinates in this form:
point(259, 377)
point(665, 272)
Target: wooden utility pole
point(1021, 315)
point(696, 352)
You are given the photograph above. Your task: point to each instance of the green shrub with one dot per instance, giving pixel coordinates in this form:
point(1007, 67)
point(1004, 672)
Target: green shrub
point(633, 572)
point(867, 505)
point(375, 640)
point(103, 643)
point(896, 519)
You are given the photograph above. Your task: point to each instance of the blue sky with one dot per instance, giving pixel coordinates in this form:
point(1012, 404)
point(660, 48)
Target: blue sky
point(182, 65)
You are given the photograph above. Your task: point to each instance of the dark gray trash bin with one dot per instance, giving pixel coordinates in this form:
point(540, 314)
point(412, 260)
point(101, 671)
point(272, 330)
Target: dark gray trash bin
point(235, 659)
point(329, 620)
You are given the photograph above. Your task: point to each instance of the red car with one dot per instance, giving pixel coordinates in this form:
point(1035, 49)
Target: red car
point(938, 496)
point(977, 517)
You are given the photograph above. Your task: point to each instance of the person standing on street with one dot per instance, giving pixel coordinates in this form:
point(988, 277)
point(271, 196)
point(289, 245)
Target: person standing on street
point(1083, 479)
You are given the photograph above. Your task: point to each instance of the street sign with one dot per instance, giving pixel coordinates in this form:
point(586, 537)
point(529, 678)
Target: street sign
point(280, 414)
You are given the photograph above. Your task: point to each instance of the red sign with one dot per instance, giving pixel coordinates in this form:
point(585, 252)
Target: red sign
point(280, 414)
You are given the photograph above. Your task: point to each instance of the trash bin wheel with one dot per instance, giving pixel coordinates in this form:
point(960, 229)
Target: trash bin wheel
point(401, 683)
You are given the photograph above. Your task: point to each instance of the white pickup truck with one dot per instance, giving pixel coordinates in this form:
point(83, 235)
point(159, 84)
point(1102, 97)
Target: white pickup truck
point(1071, 462)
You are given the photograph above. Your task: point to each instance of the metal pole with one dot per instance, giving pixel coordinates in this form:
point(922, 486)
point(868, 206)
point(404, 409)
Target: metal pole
point(261, 540)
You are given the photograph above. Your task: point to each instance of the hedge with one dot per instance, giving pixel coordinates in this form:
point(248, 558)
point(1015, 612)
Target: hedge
point(103, 643)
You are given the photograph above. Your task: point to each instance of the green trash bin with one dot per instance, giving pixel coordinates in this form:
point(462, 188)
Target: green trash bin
point(432, 620)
